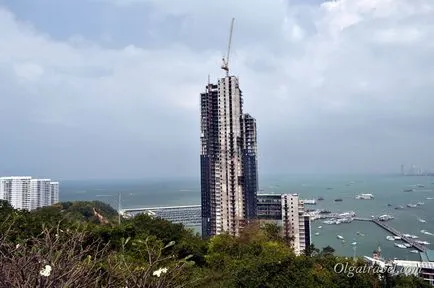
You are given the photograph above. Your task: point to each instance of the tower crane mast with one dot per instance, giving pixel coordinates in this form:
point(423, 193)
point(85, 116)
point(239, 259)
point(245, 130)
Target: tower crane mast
point(225, 65)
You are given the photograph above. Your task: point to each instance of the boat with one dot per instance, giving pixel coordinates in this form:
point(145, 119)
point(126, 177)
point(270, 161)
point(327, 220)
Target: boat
point(365, 196)
point(420, 186)
point(399, 207)
point(319, 227)
point(389, 205)
point(359, 233)
point(420, 203)
point(429, 198)
point(340, 237)
point(422, 242)
point(354, 243)
point(385, 217)
point(421, 220)
point(338, 200)
point(309, 202)
point(400, 245)
point(320, 198)
point(410, 236)
point(414, 251)
point(317, 233)
point(390, 238)
point(411, 205)
point(397, 237)
point(426, 232)
point(408, 190)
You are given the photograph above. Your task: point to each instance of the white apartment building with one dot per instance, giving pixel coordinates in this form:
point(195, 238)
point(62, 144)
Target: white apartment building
point(54, 192)
point(295, 223)
point(23, 192)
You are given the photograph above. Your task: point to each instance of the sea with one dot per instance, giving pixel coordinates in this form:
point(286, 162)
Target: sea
point(388, 191)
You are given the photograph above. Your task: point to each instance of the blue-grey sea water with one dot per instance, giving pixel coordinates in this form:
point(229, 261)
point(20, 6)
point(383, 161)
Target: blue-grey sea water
point(387, 189)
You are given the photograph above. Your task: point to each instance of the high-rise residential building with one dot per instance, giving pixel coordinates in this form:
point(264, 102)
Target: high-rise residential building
point(16, 190)
point(229, 179)
point(295, 224)
point(54, 192)
point(23, 192)
point(39, 193)
point(287, 211)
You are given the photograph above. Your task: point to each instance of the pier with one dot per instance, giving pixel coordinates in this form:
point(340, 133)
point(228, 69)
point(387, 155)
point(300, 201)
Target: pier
point(187, 215)
point(395, 232)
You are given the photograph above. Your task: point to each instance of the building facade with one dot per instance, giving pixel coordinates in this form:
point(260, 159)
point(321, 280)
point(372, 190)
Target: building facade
point(228, 160)
point(23, 192)
point(287, 211)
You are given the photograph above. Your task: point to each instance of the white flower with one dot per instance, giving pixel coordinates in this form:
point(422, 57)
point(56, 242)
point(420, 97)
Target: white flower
point(159, 271)
point(18, 246)
point(45, 271)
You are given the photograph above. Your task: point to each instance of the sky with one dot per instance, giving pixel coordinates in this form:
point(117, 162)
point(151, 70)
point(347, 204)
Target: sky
point(99, 89)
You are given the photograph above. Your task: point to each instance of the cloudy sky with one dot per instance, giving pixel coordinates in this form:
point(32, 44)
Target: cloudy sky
point(110, 88)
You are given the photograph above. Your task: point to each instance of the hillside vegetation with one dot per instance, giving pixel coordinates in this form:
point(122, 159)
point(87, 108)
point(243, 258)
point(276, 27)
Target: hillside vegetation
point(80, 244)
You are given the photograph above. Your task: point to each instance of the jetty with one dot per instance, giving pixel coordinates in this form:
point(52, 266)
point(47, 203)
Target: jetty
point(395, 232)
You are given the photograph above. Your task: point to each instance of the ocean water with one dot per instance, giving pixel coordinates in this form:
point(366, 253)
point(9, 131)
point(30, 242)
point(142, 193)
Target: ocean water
point(386, 190)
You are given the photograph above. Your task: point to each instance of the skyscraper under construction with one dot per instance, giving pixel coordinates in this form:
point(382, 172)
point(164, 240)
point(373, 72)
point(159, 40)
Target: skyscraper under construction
point(229, 175)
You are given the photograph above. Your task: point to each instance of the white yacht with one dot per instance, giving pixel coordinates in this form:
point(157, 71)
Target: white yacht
point(390, 238)
point(385, 217)
point(365, 196)
point(317, 233)
point(397, 237)
point(340, 237)
point(319, 227)
point(354, 243)
point(421, 220)
point(422, 242)
point(400, 245)
point(414, 251)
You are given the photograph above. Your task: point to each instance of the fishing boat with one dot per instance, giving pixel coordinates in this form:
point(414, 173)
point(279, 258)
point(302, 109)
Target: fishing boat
point(390, 238)
point(340, 237)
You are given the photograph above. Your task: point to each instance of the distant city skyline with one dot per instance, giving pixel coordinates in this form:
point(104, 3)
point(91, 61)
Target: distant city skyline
point(108, 89)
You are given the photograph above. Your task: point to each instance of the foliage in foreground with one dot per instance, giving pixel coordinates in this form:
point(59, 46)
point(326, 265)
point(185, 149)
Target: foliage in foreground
point(80, 244)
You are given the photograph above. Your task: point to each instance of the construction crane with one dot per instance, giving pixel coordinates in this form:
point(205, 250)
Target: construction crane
point(225, 65)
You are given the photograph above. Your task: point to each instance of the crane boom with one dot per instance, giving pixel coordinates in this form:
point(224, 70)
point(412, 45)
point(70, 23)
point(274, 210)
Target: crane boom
point(225, 65)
